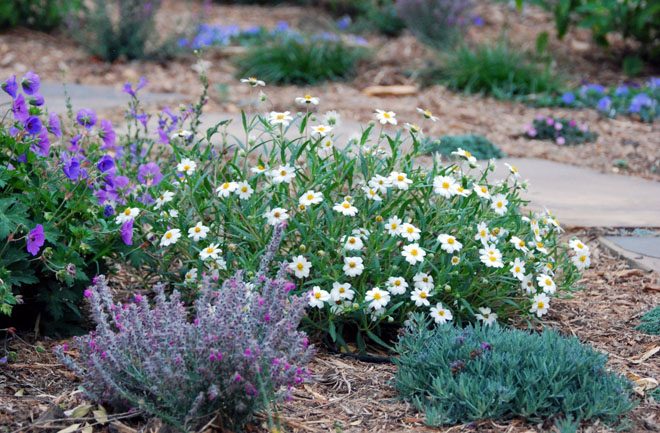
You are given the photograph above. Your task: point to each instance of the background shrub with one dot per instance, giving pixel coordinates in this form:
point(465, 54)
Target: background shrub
point(497, 70)
point(462, 375)
point(478, 145)
point(439, 23)
point(240, 352)
point(37, 14)
point(650, 322)
point(121, 29)
point(298, 60)
point(561, 131)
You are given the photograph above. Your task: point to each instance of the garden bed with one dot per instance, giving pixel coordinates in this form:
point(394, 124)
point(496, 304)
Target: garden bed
point(624, 145)
point(352, 396)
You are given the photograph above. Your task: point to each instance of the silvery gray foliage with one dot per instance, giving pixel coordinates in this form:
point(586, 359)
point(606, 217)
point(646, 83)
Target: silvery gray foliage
point(240, 352)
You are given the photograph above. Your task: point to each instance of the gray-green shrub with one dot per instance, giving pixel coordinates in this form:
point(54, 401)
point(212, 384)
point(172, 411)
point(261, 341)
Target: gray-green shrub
point(460, 375)
point(478, 145)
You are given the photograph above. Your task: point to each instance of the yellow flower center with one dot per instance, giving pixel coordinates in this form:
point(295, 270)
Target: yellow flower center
point(244, 189)
point(397, 283)
point(127, 212)
point(454, 260)
point(441, 313)
point(450, 241)
point(377, 296)
point(276, 214)
point(261, 167)
point(342, 290)
point(210, 250)
point(317, 295)
point(346, 205)
point(583, 259)
point(484, 189)
point(186, 167)
point(300, 266)
point(517, 269)
point(521, 243)
point(423, 295)
point(351, 240)
point(400, 178)
point(168, 235)
point(548, 282)
point(310, 196)
point(283, 173)
point(280, 116)
point(492, 258)
point(413, 252)
point(352, 264)
point(540, 305)
point(445, 185)
point(500, 204)
point(198, 229)
point(386, 115)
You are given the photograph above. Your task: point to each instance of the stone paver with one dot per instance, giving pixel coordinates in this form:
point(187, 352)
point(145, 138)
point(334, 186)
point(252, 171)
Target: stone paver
point(642, 251)
point(582, 197)
point(93, 96)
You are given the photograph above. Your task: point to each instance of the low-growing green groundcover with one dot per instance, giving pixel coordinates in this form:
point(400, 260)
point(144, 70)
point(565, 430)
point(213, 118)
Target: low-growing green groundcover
point(459, 375)
point(478, 145)
point(650, 322)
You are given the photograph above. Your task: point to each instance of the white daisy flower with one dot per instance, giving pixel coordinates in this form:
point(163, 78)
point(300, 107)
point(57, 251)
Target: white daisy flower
point(427, 114)
point(163, 198)
point(253, 81)
point(310, 198)
point(353, 266)
point(332, 118)
point(258, 169)
point(482, 191)
point(326, 147)
point(499, 203)
point(244, 190)
point(190, 276)
point(345, 208)
point(486, 316)
point(581, 260)
point(396, 285)
point(455, 260)
point(377, 298)
point(276, 216)
point(385, 117)
point(318, 297)
point(578, 246)
point(409, 232)
point(170, 237)
point(527, 284)
point(423, 281)
point(466, 155)
point(393, 225)
point(130, 213)
point(518, 268)
point(361, 233)
point(225, 189)
point(321, 130)
point(399, 180)
point(483, 233)
point(280, 118)
point(540, 304)
point(186, 166)
point(211, 252)
point(198, 232)
point(371, 193)
point(518, 244)
point(413, 254)
point(300, 267)
point(540, 247)
point(307, 100)
point(457, 189)
point(440, 314)
point(513, 170)
point(421, 297)
point(491, 257)
point(449, 243)
point(380, 183)
point(341, 291)
point(352, 243)
point(181, 133)
point(546, 283)
point(283, 174)
point(444, 186)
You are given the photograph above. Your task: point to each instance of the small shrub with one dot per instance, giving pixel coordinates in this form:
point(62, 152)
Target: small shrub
point(239, 353)
point(479, 146)
point(382, 16)
point(299, 60)
point(497, 70)
point(642, 102)
point(38, 14)
point(561, 131)
point(463, 375)
point(120, 29)
point(439, 23)
point(650, 322)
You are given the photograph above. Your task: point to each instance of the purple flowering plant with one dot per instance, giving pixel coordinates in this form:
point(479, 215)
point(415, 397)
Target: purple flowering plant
point(563, 132)
point(238, 353)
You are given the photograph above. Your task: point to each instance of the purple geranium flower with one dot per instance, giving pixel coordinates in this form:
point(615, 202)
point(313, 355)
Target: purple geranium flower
point(36, 100)
point(54, 126)
point(31, 83)
point(128, 88)
point(106, 163)
point(149, 174)
point(33, 125)
point(86, 118)
point(127, 232)
point(75, 144)
point(71, 168)
point(35, 239)
point(108, 211)
point(43, 145)
point(20, 109)
point(604, 104)
point(568, 98)
point(640, 101)
point(10, 86)
point(621, 91)
point(107, 134)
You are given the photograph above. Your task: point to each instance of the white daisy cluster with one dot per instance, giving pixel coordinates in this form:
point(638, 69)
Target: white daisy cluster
point(370, 237)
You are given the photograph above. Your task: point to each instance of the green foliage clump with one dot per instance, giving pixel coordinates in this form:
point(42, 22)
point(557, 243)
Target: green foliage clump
point(298, 60)
point(37, 14)
point(463, 375)
point(497, 70)
point(560, 130)
point(650, 322)
point(478, 145)
point(121, 29)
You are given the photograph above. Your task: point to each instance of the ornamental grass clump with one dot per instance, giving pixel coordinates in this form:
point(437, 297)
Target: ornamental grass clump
point(478, 145)
point(237, 354)
point(488, 372)
point(563, 132)
point(438, 23)
point(650, 322)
